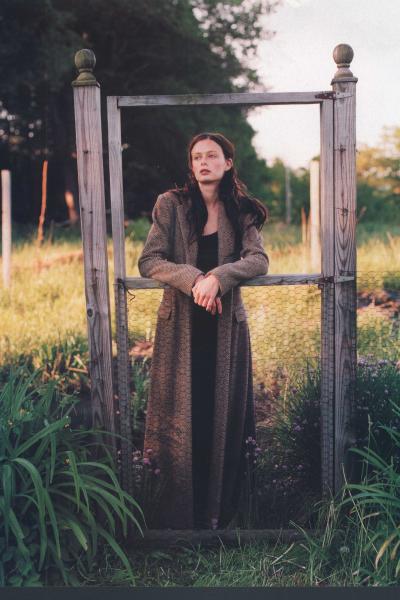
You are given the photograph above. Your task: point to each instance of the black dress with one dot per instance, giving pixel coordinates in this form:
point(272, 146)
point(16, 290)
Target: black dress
point(204, 354)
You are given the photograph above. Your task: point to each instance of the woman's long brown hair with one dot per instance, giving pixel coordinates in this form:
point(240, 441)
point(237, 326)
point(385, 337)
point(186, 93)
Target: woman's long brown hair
point(232, 192)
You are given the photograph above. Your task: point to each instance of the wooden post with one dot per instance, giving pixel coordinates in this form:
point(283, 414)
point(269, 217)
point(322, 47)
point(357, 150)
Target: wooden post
point(94, 236)
point(42, 216)
point(304, 238)
point(73, 217)
point(327, 301)
point(345, 259)
point(303, 219)
point(6, 227)
point(314, 219)
point(121, 307)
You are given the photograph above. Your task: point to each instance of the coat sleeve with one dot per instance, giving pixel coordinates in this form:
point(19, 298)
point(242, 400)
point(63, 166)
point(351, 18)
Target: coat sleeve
point(153, 261)
point(253, 260)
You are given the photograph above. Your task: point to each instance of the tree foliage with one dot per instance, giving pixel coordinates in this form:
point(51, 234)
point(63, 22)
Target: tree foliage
point(276, 191)
point(378, 176)
point(141, 47)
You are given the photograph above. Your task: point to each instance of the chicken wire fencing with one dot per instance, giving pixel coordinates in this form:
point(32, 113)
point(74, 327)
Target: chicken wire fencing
point(284, 324)
point(285, 331)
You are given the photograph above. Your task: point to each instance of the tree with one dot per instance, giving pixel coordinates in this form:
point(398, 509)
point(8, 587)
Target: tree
point(378, 177)
point(142, 47)
point(300, 186)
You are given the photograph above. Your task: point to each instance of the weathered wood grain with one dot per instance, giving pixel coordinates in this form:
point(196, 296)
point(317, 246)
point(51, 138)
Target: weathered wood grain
point(234, 98)
point(93, 225)
point(143, 283)
point(345, 260)
point(6, 226)
point(327, 299)
point(121, 309)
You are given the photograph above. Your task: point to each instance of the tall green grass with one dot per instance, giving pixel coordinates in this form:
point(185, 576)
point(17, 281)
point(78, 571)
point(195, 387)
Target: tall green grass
point(59, 501)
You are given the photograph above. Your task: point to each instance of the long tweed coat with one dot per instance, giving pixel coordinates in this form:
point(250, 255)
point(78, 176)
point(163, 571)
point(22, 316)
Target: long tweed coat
point(168, 257)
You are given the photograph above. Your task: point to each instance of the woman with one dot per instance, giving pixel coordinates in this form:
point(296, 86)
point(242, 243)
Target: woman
point(203, 242)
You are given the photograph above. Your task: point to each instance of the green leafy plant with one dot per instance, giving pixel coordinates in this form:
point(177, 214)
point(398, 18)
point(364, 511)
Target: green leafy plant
point(288, 460)
point(148, 483)
point(138, 229)
point(359, 539)
point(391, 281)
point(140, 380)
point(58, 503)
point(379, 493)
point(377, 386)
point(64, 362)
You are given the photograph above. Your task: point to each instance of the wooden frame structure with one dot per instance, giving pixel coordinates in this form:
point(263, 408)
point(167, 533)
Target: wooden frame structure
point(337, 280)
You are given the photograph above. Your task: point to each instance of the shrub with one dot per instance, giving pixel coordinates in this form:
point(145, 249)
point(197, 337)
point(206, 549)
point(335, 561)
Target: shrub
point(140, 384)
point(378, 494)
point(360, 536)
point(58, 503)
point(288, 462)
point(377, 386)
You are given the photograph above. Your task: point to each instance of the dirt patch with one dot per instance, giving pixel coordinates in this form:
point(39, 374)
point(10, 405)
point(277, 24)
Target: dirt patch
point(383, 302)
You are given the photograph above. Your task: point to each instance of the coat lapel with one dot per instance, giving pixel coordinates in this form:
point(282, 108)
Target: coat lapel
point(225, 234)
point(192, 249)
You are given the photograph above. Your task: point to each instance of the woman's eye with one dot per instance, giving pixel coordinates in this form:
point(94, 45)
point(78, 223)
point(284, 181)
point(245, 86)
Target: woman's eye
point(209, 156)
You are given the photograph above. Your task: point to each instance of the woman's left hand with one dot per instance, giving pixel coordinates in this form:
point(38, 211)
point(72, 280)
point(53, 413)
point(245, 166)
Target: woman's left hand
point(205, 291)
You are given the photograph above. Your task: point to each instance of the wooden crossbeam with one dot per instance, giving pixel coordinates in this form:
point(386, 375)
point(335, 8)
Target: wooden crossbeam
point(226, 99)
point(143, 283)
point(209, 537)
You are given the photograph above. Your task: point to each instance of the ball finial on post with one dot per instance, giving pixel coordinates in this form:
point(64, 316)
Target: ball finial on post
point(85, 61)
point(343, 55)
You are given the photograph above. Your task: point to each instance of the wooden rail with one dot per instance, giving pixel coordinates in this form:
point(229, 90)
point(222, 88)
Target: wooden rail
point(209, 537)
point(225, 99)
point(143, 283)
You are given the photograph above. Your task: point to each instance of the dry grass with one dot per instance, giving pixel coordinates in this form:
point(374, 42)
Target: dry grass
point(47, 301)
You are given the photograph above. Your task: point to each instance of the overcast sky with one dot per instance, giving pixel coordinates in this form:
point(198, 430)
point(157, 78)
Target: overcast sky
point(299, 58)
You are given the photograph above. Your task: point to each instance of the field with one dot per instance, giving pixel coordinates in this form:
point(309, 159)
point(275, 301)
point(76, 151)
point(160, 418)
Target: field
point(44, 323)
point(46, 303)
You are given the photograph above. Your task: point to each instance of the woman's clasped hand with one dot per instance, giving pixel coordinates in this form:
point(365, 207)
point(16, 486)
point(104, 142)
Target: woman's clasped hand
point(205, 292)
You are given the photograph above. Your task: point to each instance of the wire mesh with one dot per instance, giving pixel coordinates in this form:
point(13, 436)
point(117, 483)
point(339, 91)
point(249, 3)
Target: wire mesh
point(285, 332)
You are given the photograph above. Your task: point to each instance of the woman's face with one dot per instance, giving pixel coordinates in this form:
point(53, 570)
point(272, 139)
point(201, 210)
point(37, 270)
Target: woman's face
point(208, 161)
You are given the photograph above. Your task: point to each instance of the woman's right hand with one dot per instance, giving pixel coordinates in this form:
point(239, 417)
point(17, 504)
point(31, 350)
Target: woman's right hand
point(216, 305)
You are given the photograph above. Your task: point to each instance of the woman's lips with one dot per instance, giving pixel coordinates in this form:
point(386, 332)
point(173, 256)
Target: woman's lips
point(205, 171)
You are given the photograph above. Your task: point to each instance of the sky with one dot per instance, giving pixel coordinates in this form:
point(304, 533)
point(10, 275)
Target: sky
point(299, 58)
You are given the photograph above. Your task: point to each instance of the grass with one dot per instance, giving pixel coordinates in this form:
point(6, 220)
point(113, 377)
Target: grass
point(249, 565)
point(46, 303)
point(46, 306)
